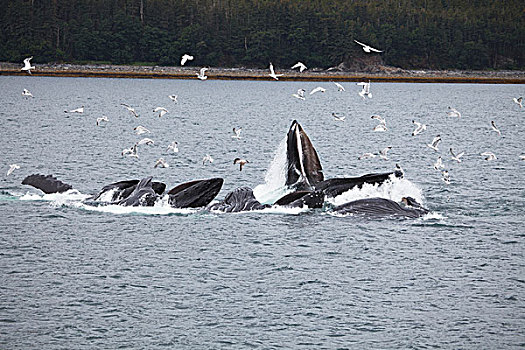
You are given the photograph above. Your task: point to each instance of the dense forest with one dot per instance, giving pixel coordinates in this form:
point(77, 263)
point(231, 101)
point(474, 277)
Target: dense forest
point(428, 34)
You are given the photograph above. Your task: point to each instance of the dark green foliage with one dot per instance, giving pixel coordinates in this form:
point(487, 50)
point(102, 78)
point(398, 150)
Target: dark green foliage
point(429, 34)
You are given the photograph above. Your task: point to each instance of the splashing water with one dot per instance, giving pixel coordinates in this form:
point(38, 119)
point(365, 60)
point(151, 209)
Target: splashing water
point(275, 179)
point(393, 189)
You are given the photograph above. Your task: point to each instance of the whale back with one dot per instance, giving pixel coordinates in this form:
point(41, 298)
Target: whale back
point(46, 183)
point(304, 167)
point(378, 207)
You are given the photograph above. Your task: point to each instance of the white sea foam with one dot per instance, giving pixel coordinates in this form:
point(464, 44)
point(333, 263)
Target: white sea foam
point(69, 196)
point(107, 196)
point(394, 189)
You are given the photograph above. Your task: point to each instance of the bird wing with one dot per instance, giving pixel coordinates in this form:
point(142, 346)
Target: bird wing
point(271, 69)
point(360, 43)
point(375, 50)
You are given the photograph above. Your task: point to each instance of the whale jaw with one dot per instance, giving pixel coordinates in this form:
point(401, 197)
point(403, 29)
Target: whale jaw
point(304, 168)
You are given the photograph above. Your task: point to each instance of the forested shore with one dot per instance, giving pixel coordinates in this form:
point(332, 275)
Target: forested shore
point(413, 34)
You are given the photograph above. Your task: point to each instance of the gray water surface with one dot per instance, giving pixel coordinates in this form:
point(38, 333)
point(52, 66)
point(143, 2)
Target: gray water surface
point(71, 277)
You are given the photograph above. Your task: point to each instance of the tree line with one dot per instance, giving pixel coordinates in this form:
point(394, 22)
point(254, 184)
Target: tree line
point(413, 34)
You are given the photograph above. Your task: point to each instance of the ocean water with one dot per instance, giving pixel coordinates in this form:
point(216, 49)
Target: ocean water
point(77, 276)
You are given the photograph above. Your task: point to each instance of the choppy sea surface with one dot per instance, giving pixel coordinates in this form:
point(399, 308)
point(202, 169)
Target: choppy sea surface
point(84, 277)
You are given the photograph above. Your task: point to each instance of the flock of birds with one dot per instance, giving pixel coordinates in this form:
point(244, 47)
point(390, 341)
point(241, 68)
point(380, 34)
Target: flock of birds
point(301, 95)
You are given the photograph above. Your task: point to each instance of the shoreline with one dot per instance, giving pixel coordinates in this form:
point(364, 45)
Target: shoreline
point(393, 75)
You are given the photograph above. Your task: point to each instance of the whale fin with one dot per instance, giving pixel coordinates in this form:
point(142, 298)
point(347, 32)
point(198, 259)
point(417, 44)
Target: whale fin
point(46, 183)
point(304, 167)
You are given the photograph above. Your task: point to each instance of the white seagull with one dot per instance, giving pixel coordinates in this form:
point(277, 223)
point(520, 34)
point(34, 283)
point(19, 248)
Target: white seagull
point(237, 132)
point(489, 156)
point(27, 93)
point(78, 110)
point(439, 164)
point(317, 89)
point(207, 158)
point(130, 109)
point(241, 162)
point(272, 73)
point(522, 157)
point(435, 143)
point(300, 94)
point(380, 119)
point(456, 157)
point(366, 89)
point(453, 112)
point(383, 152)
point(366, 156)
point(161, 111)
point(419, 128)
point(132, 152)
point(380, 128)
point(495, 128)
point(518, 101)
point(185, 58)
point(173, 146)
point(27, 65)
point(145, 141)
point(173, 98)
point(201, 75)
point(367, 48)
point(161, 163)
point(141, 130)
point(102, 119)
point(339, 87)
point(12, 168)
point(339, 118)
point(299, 65)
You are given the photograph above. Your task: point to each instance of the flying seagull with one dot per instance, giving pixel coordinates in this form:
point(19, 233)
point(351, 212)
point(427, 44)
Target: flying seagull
point(366, 90)
point(141, 130)
point(299, 65)
point(27, 93)
point(78, 110)
point(12, 168)
point(241, 162)
point(173, 98)
point(161, 163)
point(446, 176)
point(453, 112)
point(161, 111)
point(339, 86)
point(456, 157)
point(185, 58)
point(102, 119)
point(339, 118)
point(367, 48)
point(173, 146)
point(132, 152)
point(27, 65)
point(300, 94)
point(145, 141)
point(435, 143)
point(518, 101)
point(379, 118)
point(317, 89)
point(272, 73)
point(383, 152)
point(207, 158)
point(489, 156)
point(130, 109)
point(366, 156)
point(380, 127)
point(201, 75)
point(419, 129)
point(439, 164)
point(237, 132)
point(495, 128)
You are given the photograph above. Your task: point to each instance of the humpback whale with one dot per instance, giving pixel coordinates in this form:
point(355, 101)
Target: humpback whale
point(145, 192)
point(240, 199)
point(304, 168)
point(381, 207)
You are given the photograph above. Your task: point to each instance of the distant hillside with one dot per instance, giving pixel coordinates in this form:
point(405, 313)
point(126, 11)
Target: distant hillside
point(413, 34)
